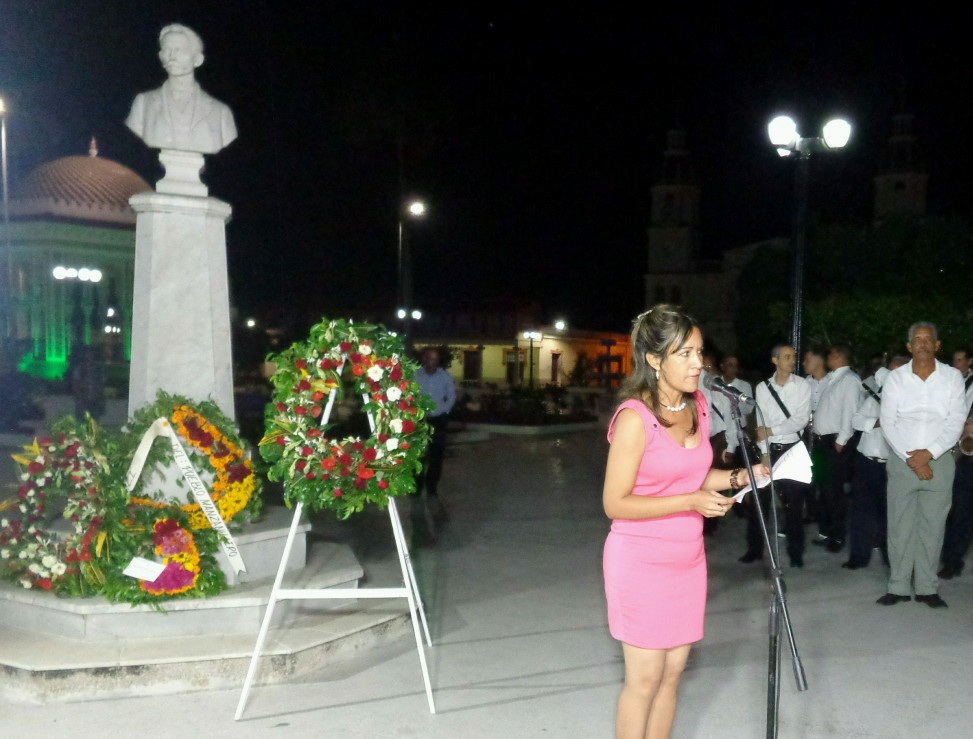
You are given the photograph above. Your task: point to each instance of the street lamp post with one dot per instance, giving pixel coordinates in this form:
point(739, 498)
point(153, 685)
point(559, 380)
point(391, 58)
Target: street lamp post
point(8, 291)
point(783, 134)
point(405, 309)
point(531, 336)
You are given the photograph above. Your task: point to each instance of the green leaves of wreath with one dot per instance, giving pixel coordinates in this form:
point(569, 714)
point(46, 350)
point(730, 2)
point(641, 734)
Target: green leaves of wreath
point(344, 474)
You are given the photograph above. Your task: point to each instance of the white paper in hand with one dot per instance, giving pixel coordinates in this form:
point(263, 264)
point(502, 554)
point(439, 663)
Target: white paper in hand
point(794, 464)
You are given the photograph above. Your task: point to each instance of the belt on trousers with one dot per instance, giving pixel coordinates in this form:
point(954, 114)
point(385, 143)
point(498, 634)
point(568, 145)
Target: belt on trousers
point(774, 446)
point(880, 460)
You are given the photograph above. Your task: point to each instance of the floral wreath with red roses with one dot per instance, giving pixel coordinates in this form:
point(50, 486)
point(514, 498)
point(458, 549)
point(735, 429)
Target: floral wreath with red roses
point(341, 358)
point(61, 477)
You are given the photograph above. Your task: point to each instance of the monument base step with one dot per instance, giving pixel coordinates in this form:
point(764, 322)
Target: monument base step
point(150, 653)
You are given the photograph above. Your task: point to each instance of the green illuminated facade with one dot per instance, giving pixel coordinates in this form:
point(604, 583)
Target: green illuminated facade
point(71, 259)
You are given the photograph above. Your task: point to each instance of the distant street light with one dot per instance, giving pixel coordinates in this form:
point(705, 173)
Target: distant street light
point(532, 336)
point(404, 305)
point(560, 324)
point(9, 286)
point(783, 134)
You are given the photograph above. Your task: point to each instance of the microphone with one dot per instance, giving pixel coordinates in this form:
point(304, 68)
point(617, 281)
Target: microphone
point(719, 385)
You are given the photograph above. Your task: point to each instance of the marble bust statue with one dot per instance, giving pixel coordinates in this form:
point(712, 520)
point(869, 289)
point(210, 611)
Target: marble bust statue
point(179, 115)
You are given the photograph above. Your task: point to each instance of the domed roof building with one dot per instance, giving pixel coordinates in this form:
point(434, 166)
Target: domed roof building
point(71, 261)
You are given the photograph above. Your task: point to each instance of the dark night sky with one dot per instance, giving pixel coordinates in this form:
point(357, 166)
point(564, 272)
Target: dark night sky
point(533, 134)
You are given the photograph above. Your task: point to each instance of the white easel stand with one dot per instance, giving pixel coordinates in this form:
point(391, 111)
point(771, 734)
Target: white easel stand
point(409, 590)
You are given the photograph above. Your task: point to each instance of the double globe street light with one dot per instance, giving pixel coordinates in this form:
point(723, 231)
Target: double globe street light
point(783, 134)
point(405, 309)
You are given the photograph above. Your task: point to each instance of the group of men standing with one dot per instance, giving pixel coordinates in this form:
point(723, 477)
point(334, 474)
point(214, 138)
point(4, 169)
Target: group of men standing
point(886, 445)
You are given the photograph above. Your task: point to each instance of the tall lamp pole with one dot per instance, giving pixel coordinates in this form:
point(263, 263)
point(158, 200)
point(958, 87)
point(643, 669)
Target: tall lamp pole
point(8, 291)
point(405, 310)
point(532, 336)
point(783, 134)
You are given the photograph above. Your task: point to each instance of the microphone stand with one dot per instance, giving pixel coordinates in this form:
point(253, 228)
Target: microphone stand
point(778, 603)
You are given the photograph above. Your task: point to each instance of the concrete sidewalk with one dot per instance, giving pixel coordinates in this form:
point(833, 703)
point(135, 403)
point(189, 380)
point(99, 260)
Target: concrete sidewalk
point(513, 592)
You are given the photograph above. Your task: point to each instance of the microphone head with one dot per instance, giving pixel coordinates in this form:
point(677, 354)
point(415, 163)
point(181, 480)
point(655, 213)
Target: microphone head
point(712, 381)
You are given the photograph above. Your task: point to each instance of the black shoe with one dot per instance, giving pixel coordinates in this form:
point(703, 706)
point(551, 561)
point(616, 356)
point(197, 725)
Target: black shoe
point(933, 601)
point(751, 557)
point(835, 545)
point(890, 599)
point(849, 565)
point(948, 572)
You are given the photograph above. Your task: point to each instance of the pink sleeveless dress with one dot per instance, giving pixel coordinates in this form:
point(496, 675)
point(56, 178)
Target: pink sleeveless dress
point(655, 569)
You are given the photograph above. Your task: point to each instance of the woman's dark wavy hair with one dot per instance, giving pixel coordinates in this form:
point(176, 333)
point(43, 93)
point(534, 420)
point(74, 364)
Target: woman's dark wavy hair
point(658, 331)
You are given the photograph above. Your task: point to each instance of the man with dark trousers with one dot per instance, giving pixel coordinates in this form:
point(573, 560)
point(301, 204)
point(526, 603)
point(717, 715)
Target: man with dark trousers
point(834, 435)
point(959, 524)
point(784, 401)
point(438, 384)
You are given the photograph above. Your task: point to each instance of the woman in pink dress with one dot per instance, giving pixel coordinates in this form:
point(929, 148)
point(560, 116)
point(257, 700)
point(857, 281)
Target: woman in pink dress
point(659, 485)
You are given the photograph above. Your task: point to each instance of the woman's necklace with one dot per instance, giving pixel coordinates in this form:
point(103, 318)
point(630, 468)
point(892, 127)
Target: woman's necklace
point(675, 408)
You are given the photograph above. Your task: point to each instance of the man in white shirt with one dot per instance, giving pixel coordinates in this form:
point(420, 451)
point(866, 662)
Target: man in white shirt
point(816, 375)
point(784, 402)
point(959, 524)
point(730, 369)
point(867, 525)
point(717, 428)
point(923, 412)
point(834, 435)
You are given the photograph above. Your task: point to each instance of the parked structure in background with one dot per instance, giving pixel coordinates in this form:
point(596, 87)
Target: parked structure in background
point(72, 237)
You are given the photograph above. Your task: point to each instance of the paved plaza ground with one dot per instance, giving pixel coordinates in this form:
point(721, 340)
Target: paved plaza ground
point(513, 592)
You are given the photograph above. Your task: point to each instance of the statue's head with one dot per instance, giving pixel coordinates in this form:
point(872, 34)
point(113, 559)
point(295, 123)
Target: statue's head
point(180, 50)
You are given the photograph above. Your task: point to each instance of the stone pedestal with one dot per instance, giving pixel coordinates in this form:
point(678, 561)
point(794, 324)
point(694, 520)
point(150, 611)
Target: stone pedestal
point(181, 312)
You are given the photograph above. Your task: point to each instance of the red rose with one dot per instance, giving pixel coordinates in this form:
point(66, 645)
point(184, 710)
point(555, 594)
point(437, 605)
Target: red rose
point(300, 364)
point(360, 483)
point(315, 411)
point(314, 433)
point(281, 440)
point(329, 463)
point(345, 460)
point(355, 358)
point(382, 438)
point(35, 467)
point(345, 346)
point(408, 426)
point(304, 385)
point(395, 374)
point(300, 410)
point(370, 454)
point(307, 451)
point(383, 484)
point(364, 472)
point(357, 370)
point(357, 446)
point(326, 364)
point(318, 395)
point(336, 492)
point(309, 475)
point(300, 465)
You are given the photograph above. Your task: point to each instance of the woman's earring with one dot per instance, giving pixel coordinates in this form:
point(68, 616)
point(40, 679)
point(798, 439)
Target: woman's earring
point(657, 374)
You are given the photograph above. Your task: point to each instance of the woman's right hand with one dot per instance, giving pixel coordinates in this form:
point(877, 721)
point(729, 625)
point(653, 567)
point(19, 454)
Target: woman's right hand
point(710, 504)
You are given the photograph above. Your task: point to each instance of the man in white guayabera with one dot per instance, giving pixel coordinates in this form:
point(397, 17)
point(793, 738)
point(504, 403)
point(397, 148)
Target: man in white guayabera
point(179, 115)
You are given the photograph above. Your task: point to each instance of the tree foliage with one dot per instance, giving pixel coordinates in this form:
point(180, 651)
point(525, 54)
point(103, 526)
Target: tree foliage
point(864, 286)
